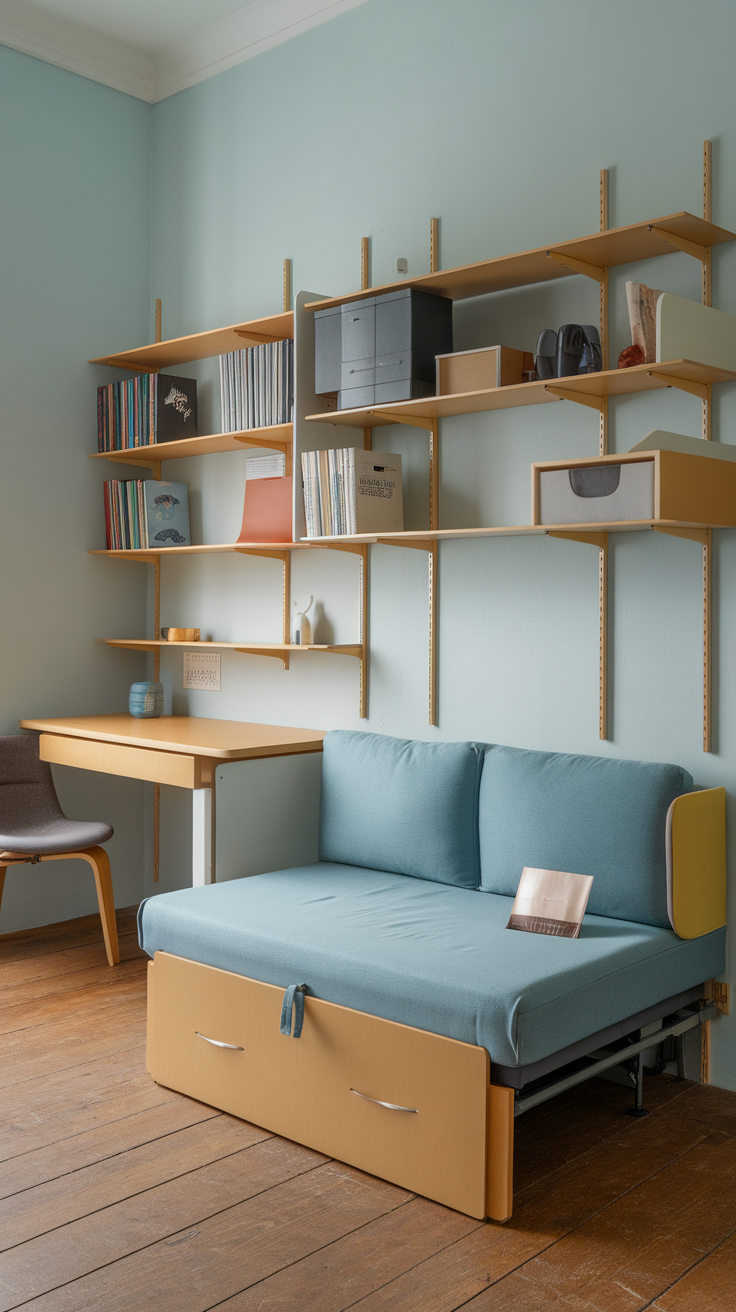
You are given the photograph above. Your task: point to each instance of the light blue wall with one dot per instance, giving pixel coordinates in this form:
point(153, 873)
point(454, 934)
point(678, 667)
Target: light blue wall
point(497, 117)
point(74, 281)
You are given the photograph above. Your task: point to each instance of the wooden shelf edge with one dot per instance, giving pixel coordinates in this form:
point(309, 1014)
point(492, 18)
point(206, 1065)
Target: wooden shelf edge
point(412, 538)
point(253, 648)
point(200, 346)
point(148, 554)
point(610, 382)
point(279, 436)
point(607, 249)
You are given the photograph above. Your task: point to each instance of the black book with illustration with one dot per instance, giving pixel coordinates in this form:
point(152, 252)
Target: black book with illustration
point(144, 410)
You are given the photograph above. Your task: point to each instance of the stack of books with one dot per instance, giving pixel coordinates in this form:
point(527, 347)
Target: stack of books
point(257, 386)
point(146, 409)
point(351, 491)
point(143, 513)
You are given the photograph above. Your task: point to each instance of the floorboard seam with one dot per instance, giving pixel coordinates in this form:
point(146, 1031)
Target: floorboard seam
point(598, 1212)
point(137, 1193)
point(653, 1302)
point(200, 1221)
point(213, 1115)
point(320, 1249)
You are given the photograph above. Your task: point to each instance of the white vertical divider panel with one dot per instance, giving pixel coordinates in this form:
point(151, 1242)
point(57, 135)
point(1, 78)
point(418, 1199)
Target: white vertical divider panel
point(267, 814)
point(203, 836)
point(310, 437)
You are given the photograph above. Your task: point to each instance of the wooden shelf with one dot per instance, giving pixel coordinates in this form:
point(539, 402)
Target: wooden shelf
point(249, 648)
point(276, 436)
point(245, 548)
point(199, 346)
point(425, 537)
point(580, 387)
point(602, 250)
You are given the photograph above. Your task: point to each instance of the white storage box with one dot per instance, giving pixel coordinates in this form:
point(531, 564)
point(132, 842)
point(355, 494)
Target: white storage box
point(601, 494)
point(664, 485)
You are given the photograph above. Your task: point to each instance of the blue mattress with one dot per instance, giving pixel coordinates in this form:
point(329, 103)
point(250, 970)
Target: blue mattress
point(429, 955)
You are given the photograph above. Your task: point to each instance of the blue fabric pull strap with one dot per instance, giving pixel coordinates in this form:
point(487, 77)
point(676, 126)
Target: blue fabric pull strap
point(293, 1000)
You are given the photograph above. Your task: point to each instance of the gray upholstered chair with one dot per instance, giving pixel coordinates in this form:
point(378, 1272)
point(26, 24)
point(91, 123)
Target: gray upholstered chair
point(33, 827)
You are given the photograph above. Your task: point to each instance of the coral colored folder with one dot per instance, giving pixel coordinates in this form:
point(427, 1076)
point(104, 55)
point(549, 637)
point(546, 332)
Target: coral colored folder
point(267, 510)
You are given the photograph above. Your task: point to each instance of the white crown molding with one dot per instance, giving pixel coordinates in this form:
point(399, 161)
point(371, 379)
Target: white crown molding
point(69, 45)
point(261, 25)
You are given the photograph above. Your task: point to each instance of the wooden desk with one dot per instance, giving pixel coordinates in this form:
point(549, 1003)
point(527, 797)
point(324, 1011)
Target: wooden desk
point(181, 750)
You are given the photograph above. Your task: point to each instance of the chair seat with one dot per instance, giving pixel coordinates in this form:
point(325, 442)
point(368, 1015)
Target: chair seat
point(54, 837)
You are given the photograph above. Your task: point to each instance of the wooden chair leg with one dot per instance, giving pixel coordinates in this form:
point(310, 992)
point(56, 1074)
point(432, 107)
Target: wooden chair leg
point(100, 863)
point(3, 870)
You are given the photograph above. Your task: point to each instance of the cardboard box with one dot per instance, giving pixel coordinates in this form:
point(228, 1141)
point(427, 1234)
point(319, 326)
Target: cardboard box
point(476, 371)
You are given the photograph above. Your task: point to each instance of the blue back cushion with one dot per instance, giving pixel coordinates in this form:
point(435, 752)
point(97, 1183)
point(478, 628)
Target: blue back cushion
point(402, 806)
point(587, 814)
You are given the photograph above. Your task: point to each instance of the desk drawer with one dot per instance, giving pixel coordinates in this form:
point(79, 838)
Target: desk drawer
point(309, 1089)
point(132, 762)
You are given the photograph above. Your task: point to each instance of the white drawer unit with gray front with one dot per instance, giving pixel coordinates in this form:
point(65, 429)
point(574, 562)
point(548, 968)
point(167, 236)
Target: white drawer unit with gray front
point(600, 494)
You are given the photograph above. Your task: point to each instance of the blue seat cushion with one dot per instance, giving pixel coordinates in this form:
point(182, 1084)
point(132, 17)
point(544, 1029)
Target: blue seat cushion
point(403, 806)
point(429, 955)
point(588, 814)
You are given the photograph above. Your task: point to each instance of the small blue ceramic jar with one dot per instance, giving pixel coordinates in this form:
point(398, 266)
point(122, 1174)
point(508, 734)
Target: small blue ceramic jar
point(146, 701)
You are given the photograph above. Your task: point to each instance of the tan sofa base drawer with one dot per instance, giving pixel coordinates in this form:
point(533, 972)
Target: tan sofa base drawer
point(326, 1089)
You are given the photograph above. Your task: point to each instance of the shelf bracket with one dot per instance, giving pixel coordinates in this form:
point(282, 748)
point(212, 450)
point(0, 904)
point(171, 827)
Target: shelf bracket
point(681, 243)
point(579, 266)
point(256, 338)
point(599, 540)
point(416, 544)
point(581, 398)
point(282, 656)
point(285, 558)
point(411, 420)
point(684, 384)
point(704, 536)
point(264, 443)
point(356, 548)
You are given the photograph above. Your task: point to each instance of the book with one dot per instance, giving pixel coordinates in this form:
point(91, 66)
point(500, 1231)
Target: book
point(257, 386)
point(350, 490)
point(144, 410)
point(267, 501)
point(142, 513)
point(550, 902)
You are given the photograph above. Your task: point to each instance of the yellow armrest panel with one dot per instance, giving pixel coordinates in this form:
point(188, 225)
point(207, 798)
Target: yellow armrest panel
point(696, 862)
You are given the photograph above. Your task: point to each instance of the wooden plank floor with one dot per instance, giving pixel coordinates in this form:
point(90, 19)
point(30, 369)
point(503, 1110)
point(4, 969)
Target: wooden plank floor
point(118, 1194)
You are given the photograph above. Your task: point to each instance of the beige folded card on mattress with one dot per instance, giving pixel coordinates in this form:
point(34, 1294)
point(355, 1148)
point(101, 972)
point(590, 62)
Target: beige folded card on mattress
point(550, 902)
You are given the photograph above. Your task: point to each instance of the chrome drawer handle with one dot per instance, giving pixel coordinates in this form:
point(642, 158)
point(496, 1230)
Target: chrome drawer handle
point(217, 1043)
point(392, 1106)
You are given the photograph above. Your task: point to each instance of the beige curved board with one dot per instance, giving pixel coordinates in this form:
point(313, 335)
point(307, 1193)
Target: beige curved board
point(687, 330)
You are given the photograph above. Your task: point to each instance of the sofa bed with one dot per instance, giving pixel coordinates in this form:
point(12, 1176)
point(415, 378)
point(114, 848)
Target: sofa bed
point(374, 1006)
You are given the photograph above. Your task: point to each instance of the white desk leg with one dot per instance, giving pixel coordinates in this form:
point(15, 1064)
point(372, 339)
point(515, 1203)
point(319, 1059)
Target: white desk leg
point(203, 835)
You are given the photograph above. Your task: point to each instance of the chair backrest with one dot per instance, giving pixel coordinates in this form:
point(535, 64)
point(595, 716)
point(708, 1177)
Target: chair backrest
point(27, 793)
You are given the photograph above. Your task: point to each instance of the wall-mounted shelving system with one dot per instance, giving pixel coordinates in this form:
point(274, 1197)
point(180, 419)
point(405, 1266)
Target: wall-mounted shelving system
point(591, 257)
point(177, 351)
point(316, 429)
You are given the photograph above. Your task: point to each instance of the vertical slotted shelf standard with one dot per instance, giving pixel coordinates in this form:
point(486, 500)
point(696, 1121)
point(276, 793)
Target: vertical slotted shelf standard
point(279, 437)
point(591, 257)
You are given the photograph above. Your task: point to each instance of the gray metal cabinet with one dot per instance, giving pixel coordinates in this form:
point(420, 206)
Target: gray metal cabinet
point(387, 347)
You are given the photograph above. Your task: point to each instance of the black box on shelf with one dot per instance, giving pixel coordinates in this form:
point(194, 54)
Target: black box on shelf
point(381, 348)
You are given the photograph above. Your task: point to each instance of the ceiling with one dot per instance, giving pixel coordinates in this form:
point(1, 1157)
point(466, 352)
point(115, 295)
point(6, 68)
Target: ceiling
point(154, 48)
point(149, 25)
